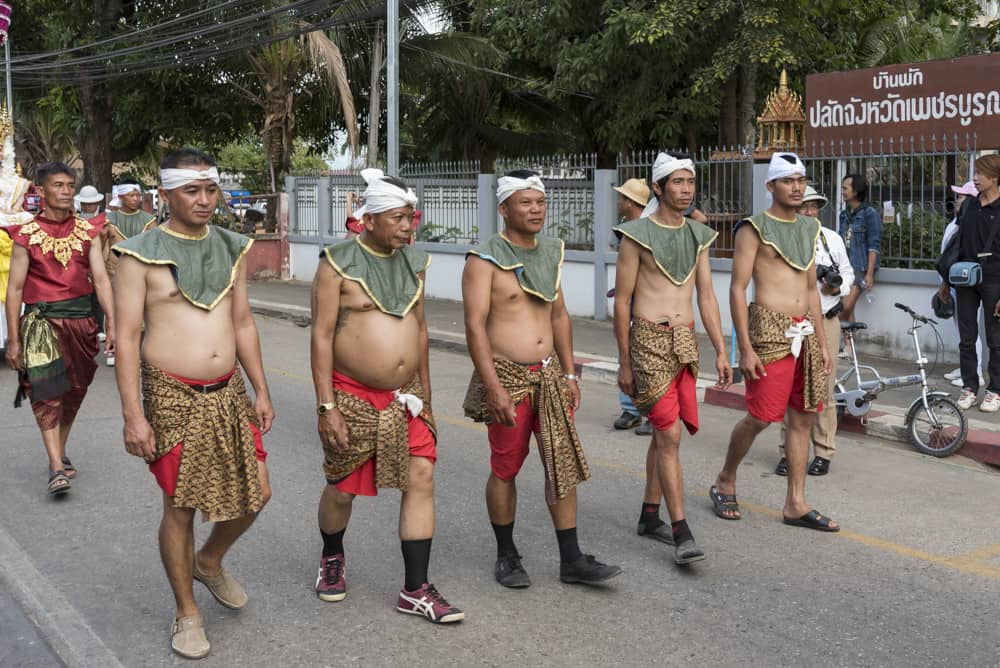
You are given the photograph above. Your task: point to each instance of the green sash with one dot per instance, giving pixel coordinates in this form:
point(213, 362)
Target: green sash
point(44, 366)
point(538, 269)
point(204, 267)
point(675, 249)
point(129, 225)
point(795, 241)
point(390, 280)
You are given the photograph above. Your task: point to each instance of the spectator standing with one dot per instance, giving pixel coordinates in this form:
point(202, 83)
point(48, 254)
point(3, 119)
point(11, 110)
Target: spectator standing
point(963, 194)
point(861, 229)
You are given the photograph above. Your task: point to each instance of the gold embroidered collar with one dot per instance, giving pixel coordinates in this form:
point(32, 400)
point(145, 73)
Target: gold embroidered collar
point(61, 247)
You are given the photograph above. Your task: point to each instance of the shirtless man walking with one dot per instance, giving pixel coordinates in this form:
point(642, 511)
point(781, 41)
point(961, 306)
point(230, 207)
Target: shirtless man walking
point(782, 354)
point(193, 421)
point(375, 419)
point(659, 256)
point(515, 317)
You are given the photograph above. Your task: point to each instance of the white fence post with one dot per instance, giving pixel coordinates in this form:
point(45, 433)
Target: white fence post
point(487, 214)
point(604, 218)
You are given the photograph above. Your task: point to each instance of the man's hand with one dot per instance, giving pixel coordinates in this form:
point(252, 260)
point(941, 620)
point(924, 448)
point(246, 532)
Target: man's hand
point(139, 438)
point(332, 429)
point(14, 358)
point(944, 293)
point(501, 407)
point(265, 412)
point(827, 364)
point(725, 371)
point(109, 338)
point(996, 310)
point(626, 381)
point(574, 394)
point(750, 365)
point(869, 281)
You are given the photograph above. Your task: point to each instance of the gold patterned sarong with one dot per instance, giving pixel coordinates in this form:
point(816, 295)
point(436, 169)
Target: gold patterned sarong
point(658, 354)
point(769, 335)
point(218, 469)
point(562, 454)
point(382, 434)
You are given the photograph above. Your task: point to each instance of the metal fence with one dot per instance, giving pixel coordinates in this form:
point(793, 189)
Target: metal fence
point(909, 184)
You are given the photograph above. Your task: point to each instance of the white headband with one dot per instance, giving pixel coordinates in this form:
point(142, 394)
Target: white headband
point(666, 165)
point(785, 164)
point(175, 178)
point(381, 195)
point(126, 188)
point(508, 185)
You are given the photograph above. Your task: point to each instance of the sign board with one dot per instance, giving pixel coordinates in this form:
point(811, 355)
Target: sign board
point(929, 99)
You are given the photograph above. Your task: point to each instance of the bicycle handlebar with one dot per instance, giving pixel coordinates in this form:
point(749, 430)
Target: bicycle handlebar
point(913, 314)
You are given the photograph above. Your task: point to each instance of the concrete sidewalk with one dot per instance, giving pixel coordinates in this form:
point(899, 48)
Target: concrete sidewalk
point(596, 357)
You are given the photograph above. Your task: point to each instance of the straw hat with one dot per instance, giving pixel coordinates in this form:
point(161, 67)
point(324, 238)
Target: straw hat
point(813, 196)
point(636, 190)
point(89, 195)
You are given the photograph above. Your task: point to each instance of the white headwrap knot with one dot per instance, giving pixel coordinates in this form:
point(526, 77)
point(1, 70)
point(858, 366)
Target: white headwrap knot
point(172, 178)
point(665, 165)
point(508, 185)
point(380, 195)
point(783, 165)
point(126, 188)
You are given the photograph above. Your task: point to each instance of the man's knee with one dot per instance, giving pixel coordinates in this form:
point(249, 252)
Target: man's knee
point(175, 516)
point(753, 424)
point(421, 475)
point(337, 497)
point(668, 439)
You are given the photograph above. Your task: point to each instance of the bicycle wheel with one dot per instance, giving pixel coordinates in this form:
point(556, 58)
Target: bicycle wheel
point(940, 431)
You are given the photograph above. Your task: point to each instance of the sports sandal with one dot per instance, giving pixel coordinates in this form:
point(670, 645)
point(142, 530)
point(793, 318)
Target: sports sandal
point(723, 503)
point(812, 520)
point(68, 468)
point(58, 483)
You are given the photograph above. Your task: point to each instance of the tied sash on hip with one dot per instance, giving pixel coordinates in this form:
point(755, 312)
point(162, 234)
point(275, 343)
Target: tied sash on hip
point(561, 450)
point(658, 354)
point(218, 471)
point(775, 336)
point(382, 434)
point(44, 365)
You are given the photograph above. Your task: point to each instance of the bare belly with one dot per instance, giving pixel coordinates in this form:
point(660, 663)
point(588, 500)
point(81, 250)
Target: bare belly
point(190, 342)
point(662, 301)
point(782, 290)
point(526, 340)
point(379, 350)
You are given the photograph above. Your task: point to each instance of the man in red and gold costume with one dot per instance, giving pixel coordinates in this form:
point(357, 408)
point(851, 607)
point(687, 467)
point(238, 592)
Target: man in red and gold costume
point(55, 266)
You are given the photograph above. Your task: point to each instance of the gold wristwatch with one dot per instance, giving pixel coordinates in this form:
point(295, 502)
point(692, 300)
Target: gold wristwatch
point(323, 409)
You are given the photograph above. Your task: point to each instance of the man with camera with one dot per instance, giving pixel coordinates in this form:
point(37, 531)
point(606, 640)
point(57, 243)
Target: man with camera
point(834, 278)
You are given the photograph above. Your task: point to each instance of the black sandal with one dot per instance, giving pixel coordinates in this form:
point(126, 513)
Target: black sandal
point(782, 467)
point(819, 466)
point(68, 468)
point(812, 520)
point(724, 502)
point(58, 483)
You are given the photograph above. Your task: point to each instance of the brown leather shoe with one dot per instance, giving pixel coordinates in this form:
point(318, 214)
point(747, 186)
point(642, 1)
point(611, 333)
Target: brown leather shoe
point(226, 590)
point(187, 637)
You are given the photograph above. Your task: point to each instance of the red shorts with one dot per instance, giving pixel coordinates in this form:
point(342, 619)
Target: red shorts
point(680, 400)
point(166, 467)
point(422, 440)
point(782, 388)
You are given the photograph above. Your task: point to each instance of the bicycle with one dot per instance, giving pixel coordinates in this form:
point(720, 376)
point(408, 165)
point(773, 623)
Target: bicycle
point(934, 422)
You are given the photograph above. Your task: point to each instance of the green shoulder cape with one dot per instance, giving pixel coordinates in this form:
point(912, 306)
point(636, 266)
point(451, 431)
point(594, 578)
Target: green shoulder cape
point(129, 224)
point(391, 280)
point(538, 269)
point(794, 240)
point(675, 249)
point(204, 267)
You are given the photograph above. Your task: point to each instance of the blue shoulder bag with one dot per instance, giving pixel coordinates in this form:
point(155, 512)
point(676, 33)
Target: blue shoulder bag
point(970, 274)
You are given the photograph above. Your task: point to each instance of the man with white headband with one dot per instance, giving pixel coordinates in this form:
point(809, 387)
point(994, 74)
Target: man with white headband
point(663, 257)
point(193, 421)
point(374, 409)
point(124, 223)
point(783, 354)
point(521, 341)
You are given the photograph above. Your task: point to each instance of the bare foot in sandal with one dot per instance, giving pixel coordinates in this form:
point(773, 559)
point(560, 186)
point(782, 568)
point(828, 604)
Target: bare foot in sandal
point(58, 483)
point(725, 505)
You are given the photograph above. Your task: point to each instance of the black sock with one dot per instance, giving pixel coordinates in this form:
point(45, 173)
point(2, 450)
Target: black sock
point(416, 556)
point(569, 548)
point(333, 543)
point(681, 531)
point(650, 516)
point(505, 538)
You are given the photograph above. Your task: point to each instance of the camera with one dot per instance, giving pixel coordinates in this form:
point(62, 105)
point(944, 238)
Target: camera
point(830, 276)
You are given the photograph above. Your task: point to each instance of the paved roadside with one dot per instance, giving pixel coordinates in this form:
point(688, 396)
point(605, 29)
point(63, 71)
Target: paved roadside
point(21, 644)
point(596, 359)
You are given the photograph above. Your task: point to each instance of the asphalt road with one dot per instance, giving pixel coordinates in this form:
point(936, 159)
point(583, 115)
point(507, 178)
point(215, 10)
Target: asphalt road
point(913, 580)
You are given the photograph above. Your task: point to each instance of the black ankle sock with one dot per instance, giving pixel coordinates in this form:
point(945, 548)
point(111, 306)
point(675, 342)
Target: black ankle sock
point(650, 516)
point(569, 548)
point(681, 531)
point(505, 538)
point(333, 543)
point(416, 557)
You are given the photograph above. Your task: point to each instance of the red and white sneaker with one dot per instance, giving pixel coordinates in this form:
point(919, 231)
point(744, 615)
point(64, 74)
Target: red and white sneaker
point(429, 602)
point(331, 586)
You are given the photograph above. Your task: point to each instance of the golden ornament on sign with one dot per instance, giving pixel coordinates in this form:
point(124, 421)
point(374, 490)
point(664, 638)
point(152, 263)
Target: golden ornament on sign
point(61, 247)
point(781, 127)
